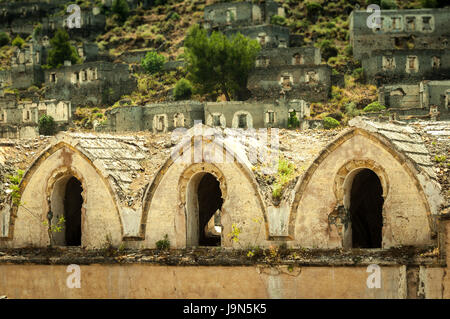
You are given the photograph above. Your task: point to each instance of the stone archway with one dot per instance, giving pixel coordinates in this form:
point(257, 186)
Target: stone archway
point(203, 211)
point(203, 193)
point(365, 210)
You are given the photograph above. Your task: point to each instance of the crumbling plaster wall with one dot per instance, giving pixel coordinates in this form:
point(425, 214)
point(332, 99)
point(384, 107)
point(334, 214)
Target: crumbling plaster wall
point(100, 218)
point(405, 211)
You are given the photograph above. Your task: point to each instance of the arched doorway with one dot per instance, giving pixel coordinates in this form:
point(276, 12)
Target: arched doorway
point(73, 202)
point(204, 203)
point(366, 206)
point(67, 201)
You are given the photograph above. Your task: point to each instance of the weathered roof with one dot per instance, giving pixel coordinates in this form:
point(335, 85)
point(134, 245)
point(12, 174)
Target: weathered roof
point(131, 160)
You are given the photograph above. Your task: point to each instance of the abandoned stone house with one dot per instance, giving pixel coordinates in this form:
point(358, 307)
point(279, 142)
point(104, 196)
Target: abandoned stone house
point(422, 96)
point(120, 190)
point(20, 119)
point(406, 46)
point(21, 17)
point(91, 83)
point(164, 117)
point(283, 68)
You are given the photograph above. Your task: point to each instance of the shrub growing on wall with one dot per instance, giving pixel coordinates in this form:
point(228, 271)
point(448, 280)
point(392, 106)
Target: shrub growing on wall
point(4, 39)
point(47, 125)
point(61, 50)
point(374, 107)
point(183, 90)
point(329, 123)
point(18, 42)
point(153, 62)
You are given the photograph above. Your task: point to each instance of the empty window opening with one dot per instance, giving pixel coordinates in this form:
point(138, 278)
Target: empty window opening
point(410, 23)
point(412, 62)
point(396, 24)
point(53, 77)
point(426, 24)
point(216, 120)
point(2, 117)
point(262, 39)
point(27, 115)
point(436, 62)
point(366, 205)
point(271, 117)
point(73, 202)
point(298, 59)
point(242, 121)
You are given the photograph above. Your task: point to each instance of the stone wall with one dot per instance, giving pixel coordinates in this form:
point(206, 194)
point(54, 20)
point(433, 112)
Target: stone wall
point(427, 26)
point(92, 83)
point(310, 83)
point(406, 66)
point(165, 117)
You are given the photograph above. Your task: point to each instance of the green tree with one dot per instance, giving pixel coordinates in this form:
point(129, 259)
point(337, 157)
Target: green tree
point(217, 63)
point(153, 62)
point(120, 7)
point(47, 125)
point(434, 3)
point(4, 39)
point(61, 50)
point(18, 42)
point(183, 90)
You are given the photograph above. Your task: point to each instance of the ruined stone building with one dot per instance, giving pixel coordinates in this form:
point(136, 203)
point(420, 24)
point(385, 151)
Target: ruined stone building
point(367, 194)
point(407, 55)
point(21, 17)
point(90, 83)
point(283, 68)
point(20, 120)
point(164, 117)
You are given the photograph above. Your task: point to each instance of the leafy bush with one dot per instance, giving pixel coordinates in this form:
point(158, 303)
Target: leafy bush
point(328, 49)
point(434, 3)
point(18, 42)
point(313, 10)
point(4, 39)
point(174, 16)
point(329, 123)
point(47, 125)
point(61, 50)
point(278, 20)
point(351, 110)
point(374, 107)
point(153, 62)
point(358, 74)
point(388, 4)
point(120, 7)
point(293, 120)
point(163, 244)
point(183, 90)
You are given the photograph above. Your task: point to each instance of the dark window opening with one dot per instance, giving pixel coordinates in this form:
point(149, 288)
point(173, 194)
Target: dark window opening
point(73, 202)
point(426, 24)
point(366, 205)
point(216, 120)
point(242, 121)
point(209, 205)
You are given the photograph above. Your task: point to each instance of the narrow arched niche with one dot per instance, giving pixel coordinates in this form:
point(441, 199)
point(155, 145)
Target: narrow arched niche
point(363, 199)
point(67, 201)
point(204, 201)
